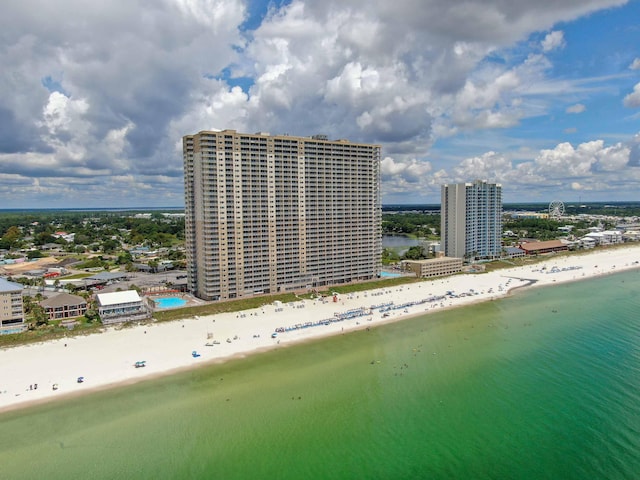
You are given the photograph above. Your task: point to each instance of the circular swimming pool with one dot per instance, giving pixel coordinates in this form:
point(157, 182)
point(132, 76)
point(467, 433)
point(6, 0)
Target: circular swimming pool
point(169, 302)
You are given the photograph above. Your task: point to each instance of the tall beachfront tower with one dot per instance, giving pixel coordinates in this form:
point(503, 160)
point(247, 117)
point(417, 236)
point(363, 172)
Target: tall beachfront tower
point(268, 214)
point(471, 220)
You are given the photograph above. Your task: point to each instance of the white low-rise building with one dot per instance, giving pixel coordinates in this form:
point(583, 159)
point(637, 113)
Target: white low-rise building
point(587, 242)
point(607, 237)
point(119, 307)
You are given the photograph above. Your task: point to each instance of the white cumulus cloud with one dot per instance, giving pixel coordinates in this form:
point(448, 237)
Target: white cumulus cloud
point(553, 41)
point(633, 99)
point(100, 94)
point(577, 108)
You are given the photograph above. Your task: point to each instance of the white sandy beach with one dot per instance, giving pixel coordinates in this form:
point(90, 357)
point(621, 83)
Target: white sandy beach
point(108, 359)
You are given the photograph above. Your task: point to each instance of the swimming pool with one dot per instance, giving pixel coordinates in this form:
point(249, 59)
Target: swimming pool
point(389, 274)
point(9, 331)
point(170, 302)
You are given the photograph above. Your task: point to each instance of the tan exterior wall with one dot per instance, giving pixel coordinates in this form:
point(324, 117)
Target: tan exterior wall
point(11, 310)
point(267, 214)
point(435, 267)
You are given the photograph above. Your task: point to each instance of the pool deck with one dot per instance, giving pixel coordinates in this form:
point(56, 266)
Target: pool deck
point(175, 296)
point(395, 274)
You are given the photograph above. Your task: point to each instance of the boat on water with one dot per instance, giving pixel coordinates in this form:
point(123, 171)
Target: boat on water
point(140, 364)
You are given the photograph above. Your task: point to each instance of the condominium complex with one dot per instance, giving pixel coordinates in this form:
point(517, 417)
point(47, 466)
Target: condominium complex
point(267, 214)
point(471, 220)
point(64, 306)
point(11, 310)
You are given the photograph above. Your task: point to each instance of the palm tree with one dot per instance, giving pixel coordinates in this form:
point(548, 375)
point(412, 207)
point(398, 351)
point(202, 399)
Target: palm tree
point(40, 315)
point(27, 303)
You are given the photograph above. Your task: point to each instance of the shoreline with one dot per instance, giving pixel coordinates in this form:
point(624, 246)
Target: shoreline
point(106, 360)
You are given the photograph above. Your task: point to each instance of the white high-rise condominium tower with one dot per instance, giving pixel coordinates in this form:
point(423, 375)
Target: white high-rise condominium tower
point(267, 214)
point(471, 220)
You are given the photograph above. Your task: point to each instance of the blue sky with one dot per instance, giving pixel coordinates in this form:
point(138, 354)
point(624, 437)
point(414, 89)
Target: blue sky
point(582, 101)
point(542, 97)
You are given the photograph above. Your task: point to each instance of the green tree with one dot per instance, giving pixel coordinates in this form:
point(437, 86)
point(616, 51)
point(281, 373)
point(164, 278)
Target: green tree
point(34, 312)
point(82, 239)
point(410, 223)
point(179, 255)
point(39, 315)
point(42, 238)
point(389, 256)
point(415, 253)
point(110, 246)
point(91, 314)
point(124, 258)
point(12, 236)
point(27, 304)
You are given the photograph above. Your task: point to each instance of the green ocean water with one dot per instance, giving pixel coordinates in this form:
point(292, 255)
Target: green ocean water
point(542, 385)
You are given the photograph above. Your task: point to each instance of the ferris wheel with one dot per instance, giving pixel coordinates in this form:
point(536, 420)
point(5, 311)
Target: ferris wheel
point(556, 209)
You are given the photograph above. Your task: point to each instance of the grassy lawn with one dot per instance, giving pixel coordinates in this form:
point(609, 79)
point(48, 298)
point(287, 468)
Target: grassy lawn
point(221, 307)
point(255, 302)
point(49, 332)
point(76, 276)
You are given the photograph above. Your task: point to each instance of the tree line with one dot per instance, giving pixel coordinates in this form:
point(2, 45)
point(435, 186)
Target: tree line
point(106, 229)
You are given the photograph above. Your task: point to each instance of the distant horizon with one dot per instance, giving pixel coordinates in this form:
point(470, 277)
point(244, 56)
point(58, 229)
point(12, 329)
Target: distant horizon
point(384, 206)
